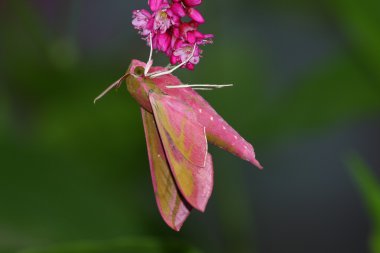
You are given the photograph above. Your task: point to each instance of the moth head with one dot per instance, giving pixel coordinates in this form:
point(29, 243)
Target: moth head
point(137, 68)
point(136, 81)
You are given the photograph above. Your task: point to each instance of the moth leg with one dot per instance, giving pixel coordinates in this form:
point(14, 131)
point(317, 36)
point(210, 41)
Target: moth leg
point(157, 74)
point(199, 86)
point(150, 61)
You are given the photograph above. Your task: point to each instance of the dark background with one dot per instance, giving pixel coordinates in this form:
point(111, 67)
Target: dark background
point(306, 94)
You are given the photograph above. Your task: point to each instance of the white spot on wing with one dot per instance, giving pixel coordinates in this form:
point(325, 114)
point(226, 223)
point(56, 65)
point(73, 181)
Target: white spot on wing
point(224, 128)
point(235, 137)
point(200, 110)
point(212, 118)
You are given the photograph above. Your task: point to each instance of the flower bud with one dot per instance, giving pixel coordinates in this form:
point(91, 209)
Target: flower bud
point(178, 9)
point(195, 15)
point(192, 3)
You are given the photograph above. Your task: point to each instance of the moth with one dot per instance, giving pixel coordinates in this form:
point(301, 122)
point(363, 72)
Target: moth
point(178, 125)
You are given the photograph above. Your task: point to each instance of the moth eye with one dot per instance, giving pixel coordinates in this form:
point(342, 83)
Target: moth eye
point(139, 71)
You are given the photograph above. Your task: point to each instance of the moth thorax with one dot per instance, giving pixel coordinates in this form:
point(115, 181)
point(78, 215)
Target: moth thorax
point(139, 91)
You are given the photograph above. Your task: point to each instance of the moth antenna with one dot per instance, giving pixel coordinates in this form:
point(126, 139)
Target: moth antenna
point(157, 74)
point(150, 61)
point(199, 86)
point(115, 84)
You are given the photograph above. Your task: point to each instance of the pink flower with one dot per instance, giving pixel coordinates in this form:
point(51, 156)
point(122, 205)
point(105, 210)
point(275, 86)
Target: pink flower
point(141, 20)
point(162, 21)
point(189, 32)
point(183, 52)
point(176, 38)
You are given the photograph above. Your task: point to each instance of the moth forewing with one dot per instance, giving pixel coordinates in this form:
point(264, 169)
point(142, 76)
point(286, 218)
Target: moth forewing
point(172, 206)
point(185, 146)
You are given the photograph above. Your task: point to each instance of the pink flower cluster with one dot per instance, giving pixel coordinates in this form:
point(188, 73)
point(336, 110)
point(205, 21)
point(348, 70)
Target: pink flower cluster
point(170, 34)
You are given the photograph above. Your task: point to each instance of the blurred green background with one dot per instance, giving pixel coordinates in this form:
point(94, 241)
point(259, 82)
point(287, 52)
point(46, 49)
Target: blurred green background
point(306, 94)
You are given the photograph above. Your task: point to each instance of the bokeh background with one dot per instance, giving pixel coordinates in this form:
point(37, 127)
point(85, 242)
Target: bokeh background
point(74, 176)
